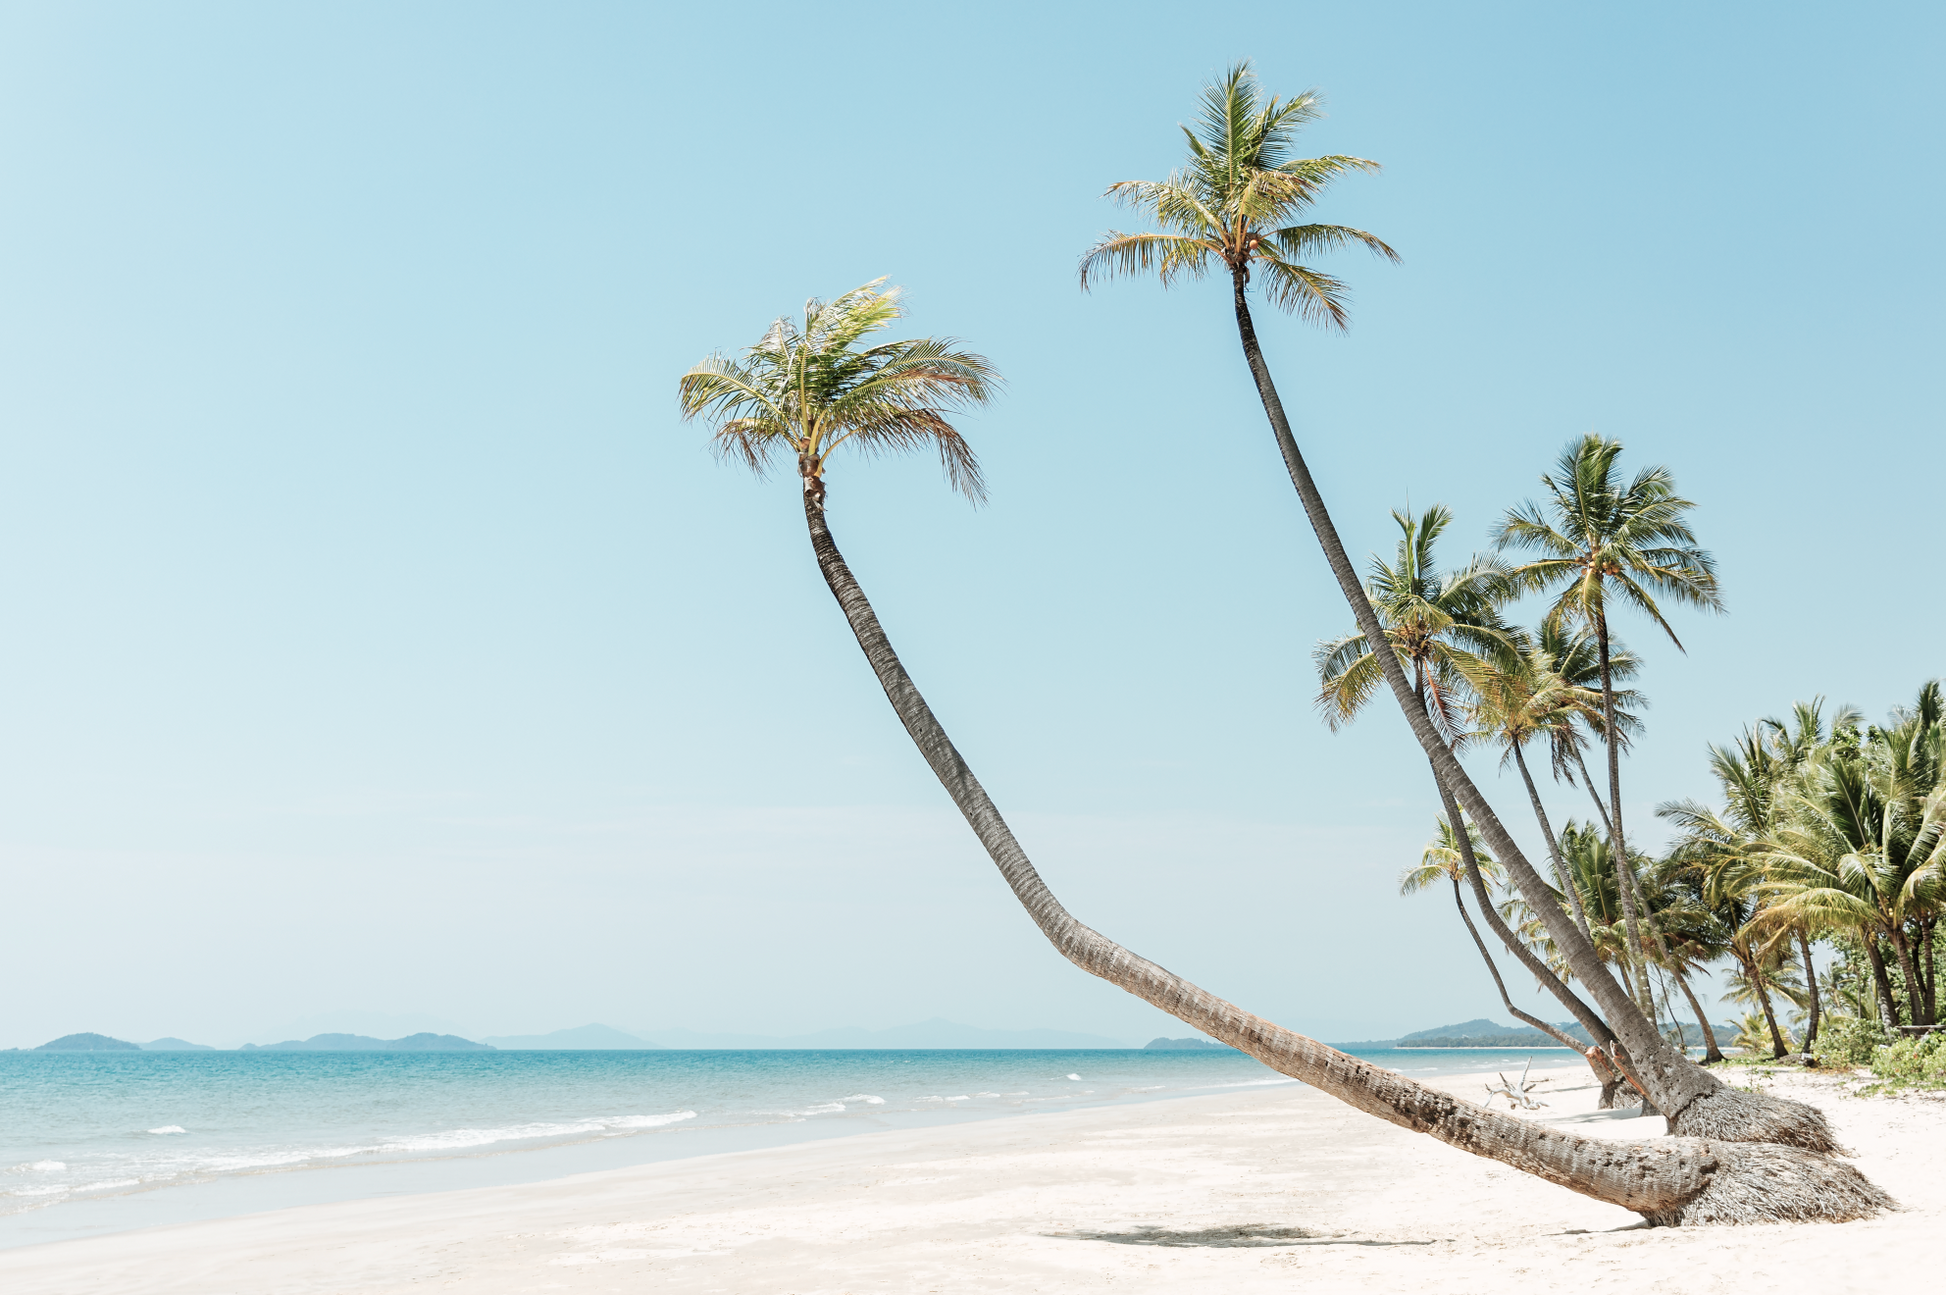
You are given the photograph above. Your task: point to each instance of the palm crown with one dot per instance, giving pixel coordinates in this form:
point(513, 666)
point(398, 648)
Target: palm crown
point(1439, 624)
point(811, 385)
point(1598, 537)
point(1238, 203)
point(1541, 687)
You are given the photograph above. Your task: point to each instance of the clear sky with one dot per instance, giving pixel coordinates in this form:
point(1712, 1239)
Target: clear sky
point(378, 642)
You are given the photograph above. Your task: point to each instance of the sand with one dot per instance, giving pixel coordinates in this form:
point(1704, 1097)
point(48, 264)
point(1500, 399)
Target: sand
point(1265, 1189)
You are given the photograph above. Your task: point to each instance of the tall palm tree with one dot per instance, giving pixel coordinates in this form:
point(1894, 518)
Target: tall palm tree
point(1439, 623)
point(807, 388)
point(1600, 538)
point(1231, 209)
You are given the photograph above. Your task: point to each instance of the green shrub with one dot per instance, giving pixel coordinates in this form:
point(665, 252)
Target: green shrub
point(1912, 1063)
point(1849, 1041)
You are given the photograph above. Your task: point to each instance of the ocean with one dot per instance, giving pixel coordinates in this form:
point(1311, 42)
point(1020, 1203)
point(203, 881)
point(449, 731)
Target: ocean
point(93, 1142)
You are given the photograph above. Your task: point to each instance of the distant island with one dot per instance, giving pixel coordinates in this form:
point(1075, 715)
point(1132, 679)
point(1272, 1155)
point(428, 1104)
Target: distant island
point(1185, 1045)
point(361, 1043)
point(1482, 1033)
point(88, 1043)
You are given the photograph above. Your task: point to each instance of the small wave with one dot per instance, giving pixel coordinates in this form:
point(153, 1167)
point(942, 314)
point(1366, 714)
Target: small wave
point(39, 1167)
point(170, 1128)
point(986, 1094)
point(649, 1121)
point(38, 1191)
point(102, 1187)
point(1256, 1083)
point(866, 1098)
point(1076, 1078)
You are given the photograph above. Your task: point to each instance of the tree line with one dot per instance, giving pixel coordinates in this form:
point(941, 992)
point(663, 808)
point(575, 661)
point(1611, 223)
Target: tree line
point(1240, 207)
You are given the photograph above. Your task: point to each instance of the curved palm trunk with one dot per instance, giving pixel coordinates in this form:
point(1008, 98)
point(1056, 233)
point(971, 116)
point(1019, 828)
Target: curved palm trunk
point(1756, 975)
point(1605, 1056)
point(1667, 1180)
point(1553, 847)
point(1811, 983)
point(1693, 1100)
point(1711, 1052)
point(1565, 1040)
point(1588, 1018)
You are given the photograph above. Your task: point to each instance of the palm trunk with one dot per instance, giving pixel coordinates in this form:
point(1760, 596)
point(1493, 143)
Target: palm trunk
point(1811, 983)
point(1929, 970)
point(1588, 1018)
point(1565, 1040)
point(1605, 1056)
point(1903, 947)
point(1711, 1052)
point(1667, 1181)
point(1553, 847)
point(1693, 1100)
point(1613, 740)
point(1756, 974)
point(1601, 807)
point(1631, 946)
point(1888, 1006)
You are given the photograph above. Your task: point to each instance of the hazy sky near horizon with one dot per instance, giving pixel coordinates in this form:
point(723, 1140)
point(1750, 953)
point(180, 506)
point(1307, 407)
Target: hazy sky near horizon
point(381, 647)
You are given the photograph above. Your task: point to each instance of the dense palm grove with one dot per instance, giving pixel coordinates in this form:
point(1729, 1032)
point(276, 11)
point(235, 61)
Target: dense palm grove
point(1812, 878)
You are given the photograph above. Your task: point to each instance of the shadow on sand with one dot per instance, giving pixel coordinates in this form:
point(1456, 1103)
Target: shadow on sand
point(1230, 1235)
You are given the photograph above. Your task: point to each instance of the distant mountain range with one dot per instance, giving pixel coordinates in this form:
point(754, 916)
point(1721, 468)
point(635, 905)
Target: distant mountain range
point(360, 1043)
point(1482, 1033)
point(936, 1033)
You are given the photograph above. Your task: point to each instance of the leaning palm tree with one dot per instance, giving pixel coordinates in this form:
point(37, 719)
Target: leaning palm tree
point(1600, 538)
point(1233, 209)
point(810, 387)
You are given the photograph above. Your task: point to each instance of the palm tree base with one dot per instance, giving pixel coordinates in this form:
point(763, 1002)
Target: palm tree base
point(1739, 1115)
point(1751, 1183)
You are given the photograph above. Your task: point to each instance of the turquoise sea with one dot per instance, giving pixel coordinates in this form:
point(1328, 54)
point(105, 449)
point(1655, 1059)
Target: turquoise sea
point(92, 1142)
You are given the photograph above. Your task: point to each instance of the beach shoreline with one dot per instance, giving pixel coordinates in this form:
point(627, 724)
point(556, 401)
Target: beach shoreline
point(1238, 1191)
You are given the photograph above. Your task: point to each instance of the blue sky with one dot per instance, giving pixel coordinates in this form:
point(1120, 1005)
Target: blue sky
point(379, 641)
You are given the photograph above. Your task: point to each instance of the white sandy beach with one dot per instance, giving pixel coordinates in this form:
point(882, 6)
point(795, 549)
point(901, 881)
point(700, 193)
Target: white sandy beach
point(1260, 1189)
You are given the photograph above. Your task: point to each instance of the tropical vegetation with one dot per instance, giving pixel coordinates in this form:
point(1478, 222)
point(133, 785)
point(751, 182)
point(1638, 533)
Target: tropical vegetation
point(1241, 205)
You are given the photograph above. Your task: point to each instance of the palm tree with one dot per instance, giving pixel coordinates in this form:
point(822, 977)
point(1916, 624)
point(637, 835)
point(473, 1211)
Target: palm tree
point(1442, 859)
point(1231, 208)
point(806, 389)
point(1537, 691)
point(1439, 624)
point(1599, 538)
point(1863, 846)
